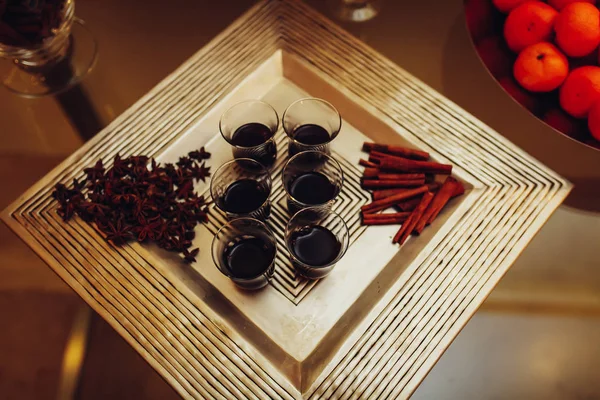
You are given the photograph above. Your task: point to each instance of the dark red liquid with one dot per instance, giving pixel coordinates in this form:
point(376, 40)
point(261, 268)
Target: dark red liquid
point(312, 188)
point(244, 196)
point(311, 134)
point(315, 246)
point(248, 136)
point(248, 257)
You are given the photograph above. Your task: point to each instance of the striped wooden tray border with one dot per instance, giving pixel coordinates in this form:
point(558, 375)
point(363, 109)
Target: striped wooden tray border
point(183, 339)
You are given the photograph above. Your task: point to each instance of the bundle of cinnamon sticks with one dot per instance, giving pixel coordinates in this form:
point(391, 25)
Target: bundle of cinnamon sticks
point(404, 179)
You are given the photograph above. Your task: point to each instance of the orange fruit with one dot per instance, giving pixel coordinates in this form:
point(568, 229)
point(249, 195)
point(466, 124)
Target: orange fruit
point(541, 67)
point(515, 91)
point(580, 91)
point(560, 4)
point(577, 29)
point(594, 120)
point(495, 55)
point(506, 6)
point(530, 23)
point(561, 121)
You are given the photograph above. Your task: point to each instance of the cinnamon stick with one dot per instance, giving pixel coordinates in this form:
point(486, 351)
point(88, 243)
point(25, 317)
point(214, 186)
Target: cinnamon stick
point(458, 189)
point(370, 173)
point(391, 200)
point(406, 165)
point(367, 164)
point(384, 219)
point(382, 194)
point(380, 155)
point(408, 205)
point(446, 192)
point(396, 150)
point(389, 221)
point(434, 186)
point(392, 177)
point(377, 184)
point(387, 215)
point(375, 159)
point(408, 226)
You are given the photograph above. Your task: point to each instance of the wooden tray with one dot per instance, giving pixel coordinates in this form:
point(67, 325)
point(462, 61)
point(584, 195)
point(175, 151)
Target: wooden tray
point(379, 322)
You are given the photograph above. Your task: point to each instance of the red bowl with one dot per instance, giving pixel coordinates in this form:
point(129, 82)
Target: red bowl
point(485, 26)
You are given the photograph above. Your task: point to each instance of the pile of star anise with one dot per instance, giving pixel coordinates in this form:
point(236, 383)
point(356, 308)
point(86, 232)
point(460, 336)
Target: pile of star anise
point(137, 198)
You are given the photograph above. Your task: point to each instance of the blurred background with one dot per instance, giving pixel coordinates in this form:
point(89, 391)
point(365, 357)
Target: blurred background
point(536, 337)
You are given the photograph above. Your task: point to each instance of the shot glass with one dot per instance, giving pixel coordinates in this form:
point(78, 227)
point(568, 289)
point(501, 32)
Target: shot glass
point(241, 188)
point(244, 250)
point(250, 127)
point(316, 240)
point(311, 179)
point(311, 124)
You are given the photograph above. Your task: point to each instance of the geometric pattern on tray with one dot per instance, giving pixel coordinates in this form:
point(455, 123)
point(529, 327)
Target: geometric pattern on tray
point(182, 339)
point(347, 205)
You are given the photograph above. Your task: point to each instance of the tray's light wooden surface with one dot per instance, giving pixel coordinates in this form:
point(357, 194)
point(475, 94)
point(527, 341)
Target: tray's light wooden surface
point(194, 330)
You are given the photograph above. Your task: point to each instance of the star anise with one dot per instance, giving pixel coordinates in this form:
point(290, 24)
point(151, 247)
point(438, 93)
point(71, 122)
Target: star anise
point(123, 198)
point(138, 198)
point(162, 232)
point(181, 244)
point(62, 194)
point(189, 234)
point(185, 190)
point(95, 172)
point(140, 172)
point(202, 215)
point(108, 187)
point(96, 186)
point(146, 231)
point(180, 176)
point(200, 172)
point(169, 169)
point(78, 186)
point(139, 161)
point(194, 201)
point(144, 207)
point(199, 155)
point(184, 162)
point(120, 166)
point(190, 256)
point(94, 209)
point(118, 232)
point(66, 211)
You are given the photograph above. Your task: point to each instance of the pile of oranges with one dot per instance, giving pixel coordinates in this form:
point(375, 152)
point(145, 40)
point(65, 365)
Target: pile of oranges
point(546, 58)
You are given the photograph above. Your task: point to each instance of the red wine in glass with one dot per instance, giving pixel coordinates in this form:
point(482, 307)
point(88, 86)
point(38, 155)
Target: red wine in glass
point(249, 258)
point(311, 188)
point(246, 197)
point(315, 247)
point(255, 140)
point(309, 135)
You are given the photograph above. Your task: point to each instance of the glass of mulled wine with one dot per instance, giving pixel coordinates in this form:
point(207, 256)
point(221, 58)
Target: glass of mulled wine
point(241, 188)
point(311, 124)
point(316, 240)
point(244, 250)
point(312, 179)
point(250, 127)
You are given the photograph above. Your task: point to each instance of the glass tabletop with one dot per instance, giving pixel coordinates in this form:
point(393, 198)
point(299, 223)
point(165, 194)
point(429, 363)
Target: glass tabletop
point(142, 42)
